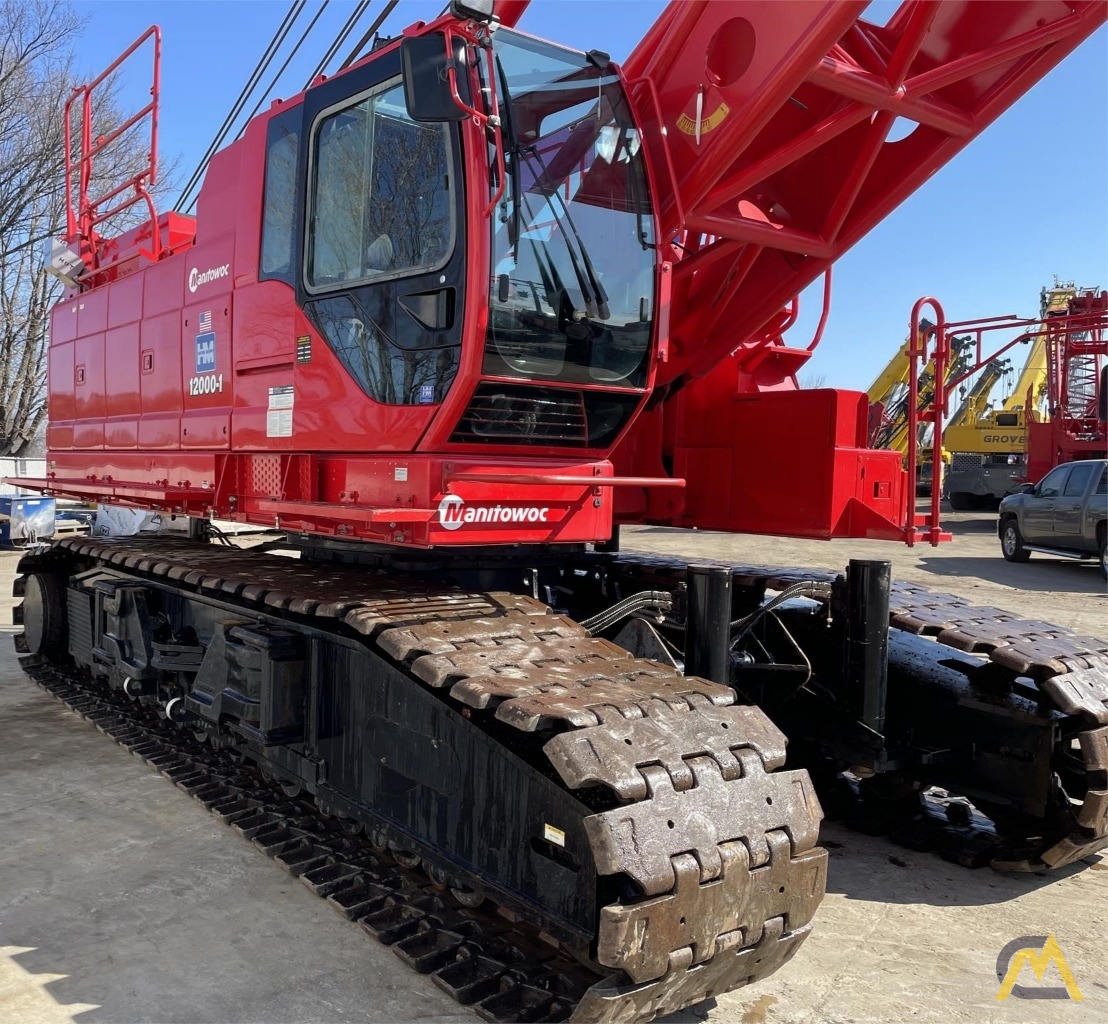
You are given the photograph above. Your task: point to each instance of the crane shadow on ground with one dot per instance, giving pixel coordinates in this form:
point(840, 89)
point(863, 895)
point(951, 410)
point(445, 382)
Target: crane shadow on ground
point(1042, 573)
point(875, 870)
point(971, 524)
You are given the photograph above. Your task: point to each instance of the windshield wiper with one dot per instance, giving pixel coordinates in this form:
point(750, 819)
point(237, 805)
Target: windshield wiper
point(508, 130)
point(551, 279)
point(635, 187)
point(600, 302)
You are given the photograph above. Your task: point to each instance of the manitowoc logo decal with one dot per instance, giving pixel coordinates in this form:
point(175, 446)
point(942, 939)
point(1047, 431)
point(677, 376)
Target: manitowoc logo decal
point(202, 277)
point(454, 513)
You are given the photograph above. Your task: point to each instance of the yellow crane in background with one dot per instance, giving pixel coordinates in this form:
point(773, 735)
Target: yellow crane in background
point(988, 447)
point(894, 376)
point(974, 400)
point(888, 395)
point(1031, 385)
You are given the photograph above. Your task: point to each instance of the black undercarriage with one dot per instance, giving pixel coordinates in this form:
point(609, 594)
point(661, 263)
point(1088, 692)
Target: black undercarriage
point(544, 732)
point(848, 692)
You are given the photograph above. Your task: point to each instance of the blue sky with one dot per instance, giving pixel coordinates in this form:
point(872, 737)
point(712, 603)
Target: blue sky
point(1026, 201)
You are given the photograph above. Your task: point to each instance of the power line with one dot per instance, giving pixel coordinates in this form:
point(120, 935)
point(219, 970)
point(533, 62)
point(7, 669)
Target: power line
point(275, 43)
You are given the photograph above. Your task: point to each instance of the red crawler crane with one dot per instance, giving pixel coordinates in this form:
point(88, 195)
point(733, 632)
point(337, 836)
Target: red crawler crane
point(1077, 389)
point(447, 319)
point(761, 162)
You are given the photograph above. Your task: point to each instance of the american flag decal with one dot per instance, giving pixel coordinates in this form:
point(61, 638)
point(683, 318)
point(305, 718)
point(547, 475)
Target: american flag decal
point(205, 321)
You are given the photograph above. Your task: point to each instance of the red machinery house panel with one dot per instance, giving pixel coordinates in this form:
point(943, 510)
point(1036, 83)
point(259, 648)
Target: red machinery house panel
point(122, 342)
point(205, 357)
point(88, 371)
point(206, 371)
point(264, 338)
point(60, 375)
point(160, 354)
point(125, 300)
point(124, 403)
point(59, 429)
point(160, 381)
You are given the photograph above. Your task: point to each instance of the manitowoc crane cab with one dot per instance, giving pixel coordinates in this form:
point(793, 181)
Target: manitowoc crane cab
point(447, 319)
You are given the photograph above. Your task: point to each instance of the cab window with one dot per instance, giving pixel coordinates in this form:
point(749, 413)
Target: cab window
point(380, 194)
point(1052, 483)
point(279, 216)
point(1079, 478)
point(1102, 483)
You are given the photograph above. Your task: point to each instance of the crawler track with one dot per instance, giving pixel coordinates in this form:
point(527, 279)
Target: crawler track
point(725, 897)
point(473, 954)
point(723, 900)
point(1049, 665)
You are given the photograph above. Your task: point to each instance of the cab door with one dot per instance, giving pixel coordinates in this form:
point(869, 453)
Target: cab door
point(1037, 523)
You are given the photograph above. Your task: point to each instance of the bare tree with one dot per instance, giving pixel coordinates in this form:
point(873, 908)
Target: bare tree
point(37, 69)
point(812, 381)
point(33, 77)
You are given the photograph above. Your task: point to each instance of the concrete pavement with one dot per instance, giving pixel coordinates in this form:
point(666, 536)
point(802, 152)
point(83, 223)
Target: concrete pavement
point(122, 900)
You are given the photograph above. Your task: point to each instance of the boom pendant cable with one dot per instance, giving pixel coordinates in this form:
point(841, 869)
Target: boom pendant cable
point(360, 45)
point(275, 43)
point(341, 38)
point(184, 202)
point(273, 82)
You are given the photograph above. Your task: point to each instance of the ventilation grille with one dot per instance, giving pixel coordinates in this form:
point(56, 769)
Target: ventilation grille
point(80, 625)
point(965, 462)
point(502, 414)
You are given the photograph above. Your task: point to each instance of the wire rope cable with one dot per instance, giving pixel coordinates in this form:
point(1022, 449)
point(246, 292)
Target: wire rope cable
point(275, 43)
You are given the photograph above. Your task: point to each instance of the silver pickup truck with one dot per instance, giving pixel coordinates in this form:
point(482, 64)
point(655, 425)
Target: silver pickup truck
point(1065, 513)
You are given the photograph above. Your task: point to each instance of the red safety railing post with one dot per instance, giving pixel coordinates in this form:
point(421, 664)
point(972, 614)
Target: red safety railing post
point(84, 175)
point(938, 407)
point(83, 212)
point(155, 102)
point(917, 357)
point(825, 312)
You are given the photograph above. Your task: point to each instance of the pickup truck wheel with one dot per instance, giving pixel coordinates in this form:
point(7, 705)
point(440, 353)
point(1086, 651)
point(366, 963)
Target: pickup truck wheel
point(1011, 542)
point(1102, 535)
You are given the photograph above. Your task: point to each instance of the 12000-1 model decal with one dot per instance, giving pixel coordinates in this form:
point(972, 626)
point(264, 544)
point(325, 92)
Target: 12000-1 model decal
point(207, 384)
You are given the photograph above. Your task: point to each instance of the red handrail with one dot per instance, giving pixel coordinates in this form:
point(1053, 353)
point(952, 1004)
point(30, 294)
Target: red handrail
point(83, 216)
point(918, 338)
point(1058, 329)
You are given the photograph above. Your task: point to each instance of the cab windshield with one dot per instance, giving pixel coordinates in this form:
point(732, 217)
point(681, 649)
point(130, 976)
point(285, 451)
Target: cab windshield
point(572, 291)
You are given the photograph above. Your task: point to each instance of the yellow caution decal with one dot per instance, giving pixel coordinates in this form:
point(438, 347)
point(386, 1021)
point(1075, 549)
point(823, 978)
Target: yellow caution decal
point(687, 124)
